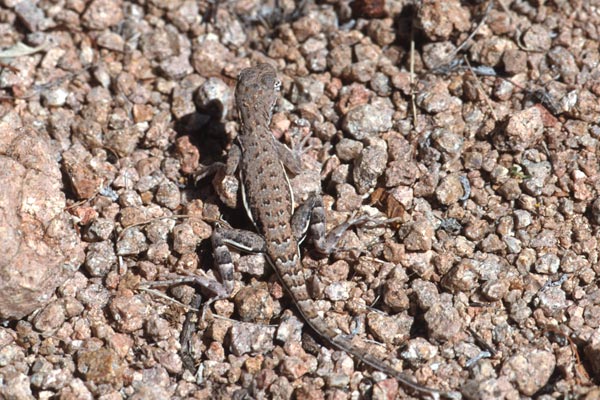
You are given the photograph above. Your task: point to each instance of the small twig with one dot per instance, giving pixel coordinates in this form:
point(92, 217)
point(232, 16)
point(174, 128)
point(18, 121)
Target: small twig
point(181, 216)
point(372, 341)
point(9, 67)
point(357, 325)
point(464, 181)
point(37, 89)
point(559, 282)
point(377, 260)
point(453, 54)
point(483, 354)
point(235, 321)
point(580, 370)
point(165, 297)
point(481, 342)
point(412, 76)
point(80, 202)
point(581, 375)
point(372, 222)
point(480, 88)
point(20, 50)
point(120, 267)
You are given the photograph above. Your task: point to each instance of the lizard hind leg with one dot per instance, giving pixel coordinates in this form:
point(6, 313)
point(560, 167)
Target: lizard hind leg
point(309, 219)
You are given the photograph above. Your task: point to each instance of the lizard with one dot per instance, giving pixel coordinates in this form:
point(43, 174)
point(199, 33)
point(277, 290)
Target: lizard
point(269, 202)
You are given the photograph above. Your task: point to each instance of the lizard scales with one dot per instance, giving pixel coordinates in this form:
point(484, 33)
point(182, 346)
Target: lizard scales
point(268, 199)
point(266, 191)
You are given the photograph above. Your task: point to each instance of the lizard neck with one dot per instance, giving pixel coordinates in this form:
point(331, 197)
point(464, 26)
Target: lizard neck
point(255, 118)
point(255, 129)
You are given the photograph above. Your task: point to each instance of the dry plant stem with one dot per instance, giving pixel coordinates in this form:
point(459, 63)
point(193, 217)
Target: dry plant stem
point(480, 88)
point(412, 75)
point(453, 54)
point(180, 216)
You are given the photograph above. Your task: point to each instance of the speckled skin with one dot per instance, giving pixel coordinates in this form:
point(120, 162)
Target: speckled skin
point(269, 202)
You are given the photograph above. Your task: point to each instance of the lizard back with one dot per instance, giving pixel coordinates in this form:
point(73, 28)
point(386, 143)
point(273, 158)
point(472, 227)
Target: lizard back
point(268, 200)
point(266, 190)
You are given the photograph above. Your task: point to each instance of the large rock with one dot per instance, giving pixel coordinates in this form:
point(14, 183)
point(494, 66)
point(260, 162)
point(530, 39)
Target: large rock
point(38, 243)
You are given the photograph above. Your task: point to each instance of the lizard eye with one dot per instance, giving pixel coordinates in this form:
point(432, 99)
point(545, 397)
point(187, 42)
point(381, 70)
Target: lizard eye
point(277, 85)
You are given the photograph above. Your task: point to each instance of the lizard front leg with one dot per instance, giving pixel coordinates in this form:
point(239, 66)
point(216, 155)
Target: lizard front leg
point(291, 158)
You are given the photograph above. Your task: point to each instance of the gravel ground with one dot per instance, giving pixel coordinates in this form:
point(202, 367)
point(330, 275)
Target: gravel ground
point(474, 125)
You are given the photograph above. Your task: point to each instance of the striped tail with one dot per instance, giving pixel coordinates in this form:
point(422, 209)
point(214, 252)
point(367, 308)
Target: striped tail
point(291, 275)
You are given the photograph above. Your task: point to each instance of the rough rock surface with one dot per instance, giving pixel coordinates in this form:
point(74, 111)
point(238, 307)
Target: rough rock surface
point(474, 125)
point(38, 240)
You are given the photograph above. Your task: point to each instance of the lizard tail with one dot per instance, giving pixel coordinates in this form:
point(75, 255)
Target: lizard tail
point(344, 342)
point(292, 276)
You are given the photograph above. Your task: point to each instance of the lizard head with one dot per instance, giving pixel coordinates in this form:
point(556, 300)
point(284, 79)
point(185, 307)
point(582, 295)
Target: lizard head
point(256, 92)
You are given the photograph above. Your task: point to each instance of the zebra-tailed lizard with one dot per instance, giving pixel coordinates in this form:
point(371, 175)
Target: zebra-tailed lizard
point(268, 199)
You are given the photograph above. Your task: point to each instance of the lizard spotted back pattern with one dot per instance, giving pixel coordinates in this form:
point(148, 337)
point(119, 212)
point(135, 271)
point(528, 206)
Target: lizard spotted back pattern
point(268, 199)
